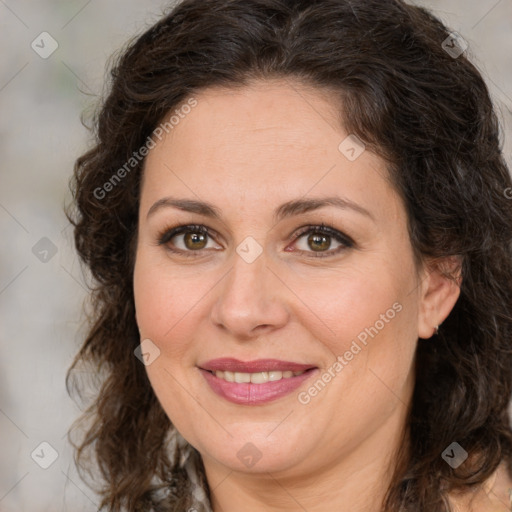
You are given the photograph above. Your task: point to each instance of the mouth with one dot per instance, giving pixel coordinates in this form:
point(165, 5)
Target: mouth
point(254, 382)
point(255, 378)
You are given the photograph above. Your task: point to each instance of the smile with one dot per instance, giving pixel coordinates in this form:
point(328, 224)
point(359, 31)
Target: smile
point(254, 382)
point(256, 378)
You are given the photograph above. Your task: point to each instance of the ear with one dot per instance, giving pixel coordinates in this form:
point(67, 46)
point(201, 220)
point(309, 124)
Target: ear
point(439, 291)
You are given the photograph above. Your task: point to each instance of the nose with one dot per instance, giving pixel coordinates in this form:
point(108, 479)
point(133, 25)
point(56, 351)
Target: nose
point(251, 299)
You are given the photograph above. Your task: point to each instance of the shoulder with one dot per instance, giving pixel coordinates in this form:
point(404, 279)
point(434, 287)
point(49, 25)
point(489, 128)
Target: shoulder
point(495, 495)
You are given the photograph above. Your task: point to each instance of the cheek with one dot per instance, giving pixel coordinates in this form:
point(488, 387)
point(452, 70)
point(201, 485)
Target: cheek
point(157, 303)
point(166, 318)
point(346, 302)
point(366, 315)
point(372, 314)
point(168, 301)
point(158, 306)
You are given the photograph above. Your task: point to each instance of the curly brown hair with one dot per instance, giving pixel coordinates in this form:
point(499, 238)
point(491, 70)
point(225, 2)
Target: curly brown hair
point(428, 113)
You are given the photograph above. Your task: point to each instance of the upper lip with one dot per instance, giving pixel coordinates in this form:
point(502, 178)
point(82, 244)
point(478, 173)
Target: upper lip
point(258, 365)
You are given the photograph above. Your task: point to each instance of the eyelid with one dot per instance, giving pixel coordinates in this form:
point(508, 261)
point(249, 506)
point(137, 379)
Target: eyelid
point(170, 232)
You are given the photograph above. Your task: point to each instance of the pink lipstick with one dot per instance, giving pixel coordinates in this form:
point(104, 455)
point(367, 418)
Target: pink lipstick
point(254, 382)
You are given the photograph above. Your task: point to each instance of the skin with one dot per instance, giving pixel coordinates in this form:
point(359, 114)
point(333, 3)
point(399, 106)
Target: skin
point(247, 151)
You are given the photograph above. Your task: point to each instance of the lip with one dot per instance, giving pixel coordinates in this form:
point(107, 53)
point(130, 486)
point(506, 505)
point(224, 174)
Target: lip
point(259, 365)
point(247, 393)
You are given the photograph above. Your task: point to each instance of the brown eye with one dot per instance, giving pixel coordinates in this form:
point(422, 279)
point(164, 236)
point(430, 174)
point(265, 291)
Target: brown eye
point(320, 240)
point(187, 240)
point(195, 241)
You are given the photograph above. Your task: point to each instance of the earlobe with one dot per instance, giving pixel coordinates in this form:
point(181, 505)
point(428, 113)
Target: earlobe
point(440, 291)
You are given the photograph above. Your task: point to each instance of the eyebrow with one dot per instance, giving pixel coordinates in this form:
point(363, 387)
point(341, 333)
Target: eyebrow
point(288, 209)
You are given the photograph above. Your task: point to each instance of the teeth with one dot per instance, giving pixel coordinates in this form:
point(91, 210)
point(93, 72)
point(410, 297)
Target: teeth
point(259, 378)
point(229, 376)
point(255, 378)
point(242, 377)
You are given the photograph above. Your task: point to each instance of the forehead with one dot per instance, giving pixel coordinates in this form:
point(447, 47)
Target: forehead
point(254, 114)
point(261, 141)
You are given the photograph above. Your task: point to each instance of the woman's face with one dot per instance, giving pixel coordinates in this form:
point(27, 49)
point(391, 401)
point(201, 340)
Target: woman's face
point(263, 286)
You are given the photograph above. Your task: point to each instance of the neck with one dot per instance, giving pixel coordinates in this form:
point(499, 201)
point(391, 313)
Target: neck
point(355, 480)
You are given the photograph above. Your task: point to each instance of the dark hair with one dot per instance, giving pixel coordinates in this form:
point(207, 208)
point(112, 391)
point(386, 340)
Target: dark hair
point(427, 112)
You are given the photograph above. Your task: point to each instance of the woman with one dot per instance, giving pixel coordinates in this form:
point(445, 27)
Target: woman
point(296, 220)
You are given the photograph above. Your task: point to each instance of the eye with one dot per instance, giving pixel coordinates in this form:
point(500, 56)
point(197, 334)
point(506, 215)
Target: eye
point(194, 240)
point(320, 238)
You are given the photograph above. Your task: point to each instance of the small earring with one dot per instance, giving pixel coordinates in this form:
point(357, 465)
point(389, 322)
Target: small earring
point(437, 329)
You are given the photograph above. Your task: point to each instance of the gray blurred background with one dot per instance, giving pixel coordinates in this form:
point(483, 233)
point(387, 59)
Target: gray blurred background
point(42, 95)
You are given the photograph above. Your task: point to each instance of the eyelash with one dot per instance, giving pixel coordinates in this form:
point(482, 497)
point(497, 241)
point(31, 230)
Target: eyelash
point(168, 233)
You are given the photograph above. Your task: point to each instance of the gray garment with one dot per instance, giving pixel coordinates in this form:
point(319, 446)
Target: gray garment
point(190, 459)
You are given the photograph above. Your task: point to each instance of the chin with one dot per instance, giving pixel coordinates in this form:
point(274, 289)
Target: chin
point(255, 454)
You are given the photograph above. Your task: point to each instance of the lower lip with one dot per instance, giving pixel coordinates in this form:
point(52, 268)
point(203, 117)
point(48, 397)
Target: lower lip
point(247, 393)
